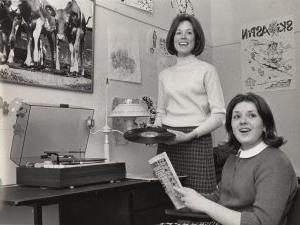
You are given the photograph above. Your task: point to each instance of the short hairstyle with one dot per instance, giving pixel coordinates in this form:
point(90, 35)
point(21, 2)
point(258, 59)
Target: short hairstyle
point(198, 31)
point(269, 135)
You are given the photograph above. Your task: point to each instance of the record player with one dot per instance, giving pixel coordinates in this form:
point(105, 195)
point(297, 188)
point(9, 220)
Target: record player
point(49, 145)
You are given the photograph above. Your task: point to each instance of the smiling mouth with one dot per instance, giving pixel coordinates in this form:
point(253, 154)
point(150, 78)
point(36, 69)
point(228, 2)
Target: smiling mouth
point(244, 130)
point(183, 43)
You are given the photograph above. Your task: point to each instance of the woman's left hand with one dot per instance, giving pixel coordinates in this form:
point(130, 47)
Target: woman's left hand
point(180, 137)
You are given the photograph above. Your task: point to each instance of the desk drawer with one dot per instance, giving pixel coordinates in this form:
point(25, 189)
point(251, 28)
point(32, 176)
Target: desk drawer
point(149, 196)
point(150, 216)
point(106, 207)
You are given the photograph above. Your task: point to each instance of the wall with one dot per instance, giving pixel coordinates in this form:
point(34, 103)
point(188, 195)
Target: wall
point(227, 18)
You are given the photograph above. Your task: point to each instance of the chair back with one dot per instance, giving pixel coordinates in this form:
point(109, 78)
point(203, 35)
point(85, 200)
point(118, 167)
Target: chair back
point(293, 217)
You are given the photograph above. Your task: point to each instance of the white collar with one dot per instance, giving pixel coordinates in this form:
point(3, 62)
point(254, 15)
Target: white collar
point(252, 151)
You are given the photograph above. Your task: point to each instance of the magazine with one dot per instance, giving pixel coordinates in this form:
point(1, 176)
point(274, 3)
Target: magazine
point(167, 176)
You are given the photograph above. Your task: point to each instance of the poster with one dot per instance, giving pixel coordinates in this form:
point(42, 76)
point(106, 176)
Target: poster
point(156, 42)
point(156, 47)
point(146, 5)
point(123, 54)
point(268, 55)
point(183, 6)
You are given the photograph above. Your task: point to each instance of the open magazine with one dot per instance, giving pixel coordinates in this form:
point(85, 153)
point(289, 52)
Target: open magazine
point(167, 176)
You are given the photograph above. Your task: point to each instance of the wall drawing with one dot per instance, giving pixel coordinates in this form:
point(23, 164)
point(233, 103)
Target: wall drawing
point(156, 41)
point(183, 6)
point(146, 5)
point(268, 55)
point(123, 54)
point(156, 47)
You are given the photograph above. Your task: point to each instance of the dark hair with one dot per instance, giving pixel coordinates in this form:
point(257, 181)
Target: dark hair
point(199, 34)
point(269, 136)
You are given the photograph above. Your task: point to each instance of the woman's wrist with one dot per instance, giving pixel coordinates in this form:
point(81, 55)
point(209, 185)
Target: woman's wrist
point(209, 206)
point(194, 134)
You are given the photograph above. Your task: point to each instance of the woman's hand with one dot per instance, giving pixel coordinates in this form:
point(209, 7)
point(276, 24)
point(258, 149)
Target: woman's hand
point(192, 199)
point(180, 137)
point(196, 202)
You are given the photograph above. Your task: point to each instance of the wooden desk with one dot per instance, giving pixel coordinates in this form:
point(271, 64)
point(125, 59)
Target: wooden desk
point(129, 202)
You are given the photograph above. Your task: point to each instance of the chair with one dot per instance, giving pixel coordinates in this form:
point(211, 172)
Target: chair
point(221, 153)
point(174, 215)
point(293, 217)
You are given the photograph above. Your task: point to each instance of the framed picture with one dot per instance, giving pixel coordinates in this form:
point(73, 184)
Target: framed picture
point(48, 43)
point(123, 53)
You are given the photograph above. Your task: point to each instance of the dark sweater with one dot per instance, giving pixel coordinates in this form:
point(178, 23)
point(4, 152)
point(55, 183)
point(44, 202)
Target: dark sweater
point(261, 187)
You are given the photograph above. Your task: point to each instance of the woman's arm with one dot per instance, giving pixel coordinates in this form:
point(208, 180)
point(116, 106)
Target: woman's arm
point(209, 125)
point(212, 123)
point(223, 215)
point(198, 203)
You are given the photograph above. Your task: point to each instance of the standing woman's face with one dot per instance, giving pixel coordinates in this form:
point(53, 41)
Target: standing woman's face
point(184, 39)
point(247, 125)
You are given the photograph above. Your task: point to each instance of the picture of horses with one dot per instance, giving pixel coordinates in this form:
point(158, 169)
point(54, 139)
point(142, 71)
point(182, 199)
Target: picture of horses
point(47, 43)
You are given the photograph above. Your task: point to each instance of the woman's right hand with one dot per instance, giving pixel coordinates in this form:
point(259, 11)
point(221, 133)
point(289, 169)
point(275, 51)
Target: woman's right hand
point(192, 199)
point(198, 203)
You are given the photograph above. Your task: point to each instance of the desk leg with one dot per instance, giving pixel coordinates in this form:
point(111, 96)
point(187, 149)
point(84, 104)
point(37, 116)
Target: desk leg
point(37, 214)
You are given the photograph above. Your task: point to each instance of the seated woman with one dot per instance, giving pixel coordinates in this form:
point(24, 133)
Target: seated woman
point(259, 183)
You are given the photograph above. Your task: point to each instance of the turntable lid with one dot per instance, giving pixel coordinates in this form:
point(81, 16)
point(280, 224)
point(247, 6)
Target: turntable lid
point(49, 128)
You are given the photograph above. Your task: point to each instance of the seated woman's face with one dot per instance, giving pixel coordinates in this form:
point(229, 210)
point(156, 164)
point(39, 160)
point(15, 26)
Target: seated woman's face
point(247, 125)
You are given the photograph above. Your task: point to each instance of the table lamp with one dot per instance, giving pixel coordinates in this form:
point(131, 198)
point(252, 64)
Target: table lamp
point(129, 110)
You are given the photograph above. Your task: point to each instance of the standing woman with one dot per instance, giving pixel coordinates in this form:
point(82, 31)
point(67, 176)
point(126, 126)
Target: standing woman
point(190, 104)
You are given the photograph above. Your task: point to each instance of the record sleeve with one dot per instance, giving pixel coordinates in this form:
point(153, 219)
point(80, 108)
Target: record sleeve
point(164, 171)
point(149, 135)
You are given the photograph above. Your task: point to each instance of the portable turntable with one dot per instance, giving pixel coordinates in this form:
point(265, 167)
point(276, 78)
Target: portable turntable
point(49, 146)
point(149, 135)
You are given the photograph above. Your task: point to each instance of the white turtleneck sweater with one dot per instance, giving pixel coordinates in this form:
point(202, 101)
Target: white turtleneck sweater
point(188, 93)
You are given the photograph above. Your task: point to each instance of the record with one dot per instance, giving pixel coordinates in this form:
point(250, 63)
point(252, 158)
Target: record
point(149, 135)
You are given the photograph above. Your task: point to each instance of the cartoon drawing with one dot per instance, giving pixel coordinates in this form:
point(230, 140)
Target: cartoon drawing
point(268, 55)
point(183, 6)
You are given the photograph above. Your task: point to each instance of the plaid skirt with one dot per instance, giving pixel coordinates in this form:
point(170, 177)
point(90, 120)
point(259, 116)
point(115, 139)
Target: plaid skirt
point(193, 159)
